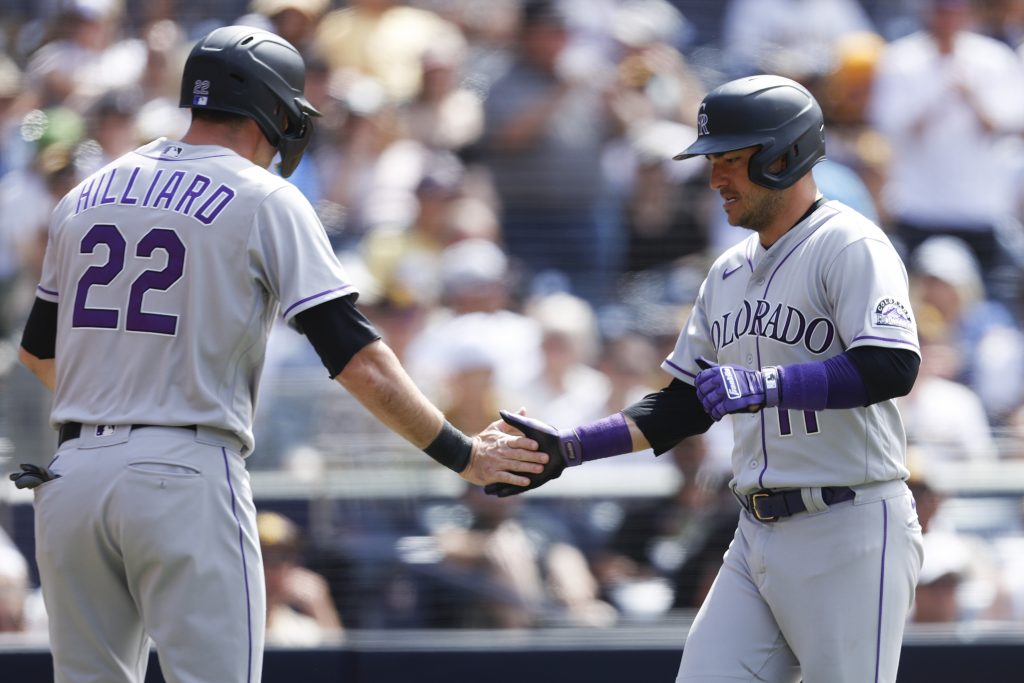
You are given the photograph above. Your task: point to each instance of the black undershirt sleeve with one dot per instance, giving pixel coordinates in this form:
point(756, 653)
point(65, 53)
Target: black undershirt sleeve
point(668, 416)
point(337, 330)
point(40, 335)
point(887, 373)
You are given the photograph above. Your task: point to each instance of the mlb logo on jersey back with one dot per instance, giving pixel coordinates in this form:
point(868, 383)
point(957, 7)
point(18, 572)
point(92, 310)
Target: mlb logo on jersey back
point(171, 152)
point(891, 313)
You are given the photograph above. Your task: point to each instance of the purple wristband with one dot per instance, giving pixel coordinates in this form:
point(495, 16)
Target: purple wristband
point(803, 386)
point(602, 439)
point(845, 384)
point(834, 383)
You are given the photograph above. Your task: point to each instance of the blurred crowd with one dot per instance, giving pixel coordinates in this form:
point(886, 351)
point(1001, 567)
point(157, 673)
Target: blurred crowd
point(497, 178)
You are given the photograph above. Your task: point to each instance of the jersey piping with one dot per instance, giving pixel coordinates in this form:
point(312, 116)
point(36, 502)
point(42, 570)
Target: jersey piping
point(757, 340)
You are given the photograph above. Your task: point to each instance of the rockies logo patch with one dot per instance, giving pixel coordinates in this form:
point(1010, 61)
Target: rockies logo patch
point(892, 313)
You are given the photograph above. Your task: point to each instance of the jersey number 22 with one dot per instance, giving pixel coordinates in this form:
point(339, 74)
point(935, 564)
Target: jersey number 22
point(136, 319)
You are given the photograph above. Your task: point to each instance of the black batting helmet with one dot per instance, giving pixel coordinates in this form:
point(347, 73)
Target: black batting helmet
point(254, 73)
point(776, 114)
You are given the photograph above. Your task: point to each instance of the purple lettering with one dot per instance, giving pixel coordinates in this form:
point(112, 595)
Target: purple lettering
point(152, 186)
point(827, 336)
point(746, 315)
point(125, 199)
point(195, 188)
point(716, 334)
point(96, 194)
point(209, 211)
point(167, 193)
point(761, 319)
point(773, 324)
point(760, 312)
point(83, 197)
point(726, 339)
point(106, 198)
point(798, 333)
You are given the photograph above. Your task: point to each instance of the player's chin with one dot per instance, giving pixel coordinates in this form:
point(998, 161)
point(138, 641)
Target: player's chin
point(734, 217)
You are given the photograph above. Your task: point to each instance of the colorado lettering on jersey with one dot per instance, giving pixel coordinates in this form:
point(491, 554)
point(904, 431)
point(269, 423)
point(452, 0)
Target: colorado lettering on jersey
point(183, 192)
point(778, 322)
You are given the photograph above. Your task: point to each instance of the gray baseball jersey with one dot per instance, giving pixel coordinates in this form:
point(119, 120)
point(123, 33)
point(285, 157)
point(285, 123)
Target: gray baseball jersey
point(138, 341)
point(832, 283)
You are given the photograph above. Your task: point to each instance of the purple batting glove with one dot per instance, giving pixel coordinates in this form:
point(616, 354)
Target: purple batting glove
point(726, 389)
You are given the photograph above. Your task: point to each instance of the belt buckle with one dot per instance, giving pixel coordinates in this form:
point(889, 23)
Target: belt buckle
point(757, 513)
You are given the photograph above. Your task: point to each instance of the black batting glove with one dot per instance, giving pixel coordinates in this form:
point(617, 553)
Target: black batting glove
point(32, 476)
point(562, 448)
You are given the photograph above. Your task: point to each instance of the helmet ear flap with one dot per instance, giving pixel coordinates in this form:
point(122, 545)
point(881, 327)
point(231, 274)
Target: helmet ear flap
point(799, 157)
point(292, 144)
point(760, 167)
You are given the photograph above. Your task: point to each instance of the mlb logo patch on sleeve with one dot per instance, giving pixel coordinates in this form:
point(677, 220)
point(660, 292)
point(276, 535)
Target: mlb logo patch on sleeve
point(892, 313)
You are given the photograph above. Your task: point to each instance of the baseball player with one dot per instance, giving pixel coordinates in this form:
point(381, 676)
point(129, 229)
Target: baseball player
point(163, 274)
point(804, 334)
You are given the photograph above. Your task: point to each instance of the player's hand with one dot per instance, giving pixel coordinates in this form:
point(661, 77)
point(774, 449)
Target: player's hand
point(726, 389)
point(498, 455)
point(561, 446)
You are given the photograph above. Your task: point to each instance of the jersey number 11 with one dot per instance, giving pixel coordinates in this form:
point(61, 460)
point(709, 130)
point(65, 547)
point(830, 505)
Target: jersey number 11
point(810, 422)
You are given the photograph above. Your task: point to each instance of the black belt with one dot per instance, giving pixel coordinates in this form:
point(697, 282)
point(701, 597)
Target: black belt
point(769, 506)
point(73, 430)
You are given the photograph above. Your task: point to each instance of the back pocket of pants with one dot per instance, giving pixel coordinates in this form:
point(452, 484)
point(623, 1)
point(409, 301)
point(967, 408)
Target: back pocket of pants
point(164, 468)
